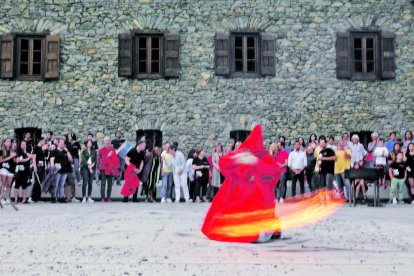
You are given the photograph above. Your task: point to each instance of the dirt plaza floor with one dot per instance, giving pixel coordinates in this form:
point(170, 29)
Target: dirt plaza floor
point(165, 239)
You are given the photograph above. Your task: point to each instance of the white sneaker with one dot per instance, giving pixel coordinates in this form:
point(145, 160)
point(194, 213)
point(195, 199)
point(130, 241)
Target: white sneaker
point(188, 200)
point(394, 201)
point(79, 184)
point(30, 200)
point(163, 200)
point(84, 200)
point(412, 202)
point(169, 200)
point(90, 200)
point(177, 201)
point(8, 201)
point(3, 202)
point(281, 200)
point(74, 200)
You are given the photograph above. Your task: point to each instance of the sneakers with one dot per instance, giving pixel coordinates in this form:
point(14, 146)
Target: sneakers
point(90, 200)
point(125, 199)
point(8, 201)
point(394, 201)
point(53, 200)
point(163, 200)
point(30, 200)
point(169, 200)
point(177, 201)
point(79, 184)
point(62, 200)
point(108, 200)
point(281, 200)
point(3, 202)
point(74, 200)
point(84, 200)
point(102, 199)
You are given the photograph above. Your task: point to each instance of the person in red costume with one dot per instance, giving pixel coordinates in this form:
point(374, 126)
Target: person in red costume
point(244, 208)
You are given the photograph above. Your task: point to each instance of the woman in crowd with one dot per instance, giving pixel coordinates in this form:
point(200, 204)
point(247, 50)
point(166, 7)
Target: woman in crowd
point(154, 175)
point(302, 143)
point(75, 149)
point(357, 150)
point(61, 159)
point(313, 140)
point(216, 178)
point(88, 166)
point(201, 168)
point(359, 184)
point(191, 173)
point(272, 149)
point(408, 138)
point(7, 167)
point(409, 163)
point(22, 161)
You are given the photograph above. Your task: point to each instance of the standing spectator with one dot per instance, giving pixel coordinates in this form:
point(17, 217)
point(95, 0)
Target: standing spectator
point(149, 155)
point(61, 159)
point(345, 138)
point(180, 173)
point(327, 158)
point(136, 157)
point(317, 174)
point(409, 163)
point(313, 140)
point(94, 143)
point(29, 142)
point(331, 143)
point(116, 143)
point(310, 168)
point(8, 167)
point(380, 155)
point(39, 162)
point(281, 157)
point(408, 138)
point(272, 149)
point(49, 138)
point(75, 149)
point(302, 143)
point(216, 178)
point(283, 139)
point(201, 167)
point(342, 164)
point(392, 157)
point(22, 161)
point(227, 150)
point(88, 166)
point(390, 143)
point(154, 175)
point(357, 150)
point(191, 173)
point(359, 184)
point(398, 174)
point(107, 168)
point(167, 174)
point(370, 158)
point(297, 162)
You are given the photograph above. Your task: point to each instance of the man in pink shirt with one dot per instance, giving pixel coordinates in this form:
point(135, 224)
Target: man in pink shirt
point(281, 157)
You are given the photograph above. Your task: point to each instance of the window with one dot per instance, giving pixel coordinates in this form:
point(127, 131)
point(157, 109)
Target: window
point(30, 57)
point(365, 55)
point(245, 54)
point(239, 135)
point(148, 55)
point(35, 132)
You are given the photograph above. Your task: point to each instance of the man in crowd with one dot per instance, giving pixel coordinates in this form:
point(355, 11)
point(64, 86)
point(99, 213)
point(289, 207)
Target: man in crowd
point(327, 166)
point(136, 156)
point(167, 174)
point(297, 162)
point(180, 173)
point(107, 168)
point(390, 143)
point(116, 143)
point(282, 157)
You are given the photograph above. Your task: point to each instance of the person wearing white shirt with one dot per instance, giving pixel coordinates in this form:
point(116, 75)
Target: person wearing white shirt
point(380, 154)
point(180, 173)
point(297, 163)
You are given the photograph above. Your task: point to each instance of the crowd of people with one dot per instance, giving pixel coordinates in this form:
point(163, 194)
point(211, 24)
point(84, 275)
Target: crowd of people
point(61, 165)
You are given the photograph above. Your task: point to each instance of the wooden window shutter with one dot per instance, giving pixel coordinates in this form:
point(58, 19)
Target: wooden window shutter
point(125, 55)
point(52, 57)
point(6, 56)
point(172, 57)
point(343, 60)
point(268, 46)
point(387, 55)
point(222, 61)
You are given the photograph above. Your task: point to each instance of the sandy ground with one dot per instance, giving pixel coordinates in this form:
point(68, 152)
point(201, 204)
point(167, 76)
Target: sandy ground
point(164, 239)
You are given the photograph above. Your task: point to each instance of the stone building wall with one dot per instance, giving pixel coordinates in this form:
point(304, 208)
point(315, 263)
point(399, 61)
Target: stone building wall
point(200, 108)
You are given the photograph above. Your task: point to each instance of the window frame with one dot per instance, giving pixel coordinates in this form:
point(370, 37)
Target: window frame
point(135, 55)
point(17, 57)
point(376, 35)
point(232, 55)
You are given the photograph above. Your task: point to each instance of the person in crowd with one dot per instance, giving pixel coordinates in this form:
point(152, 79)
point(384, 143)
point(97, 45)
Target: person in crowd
point(75, 149)
point(94, 143)
point(70, 184)
point(227, 149)
point(49, 138)
point(7, 167)
point(317, 175)
point(167, 174)
point(409, 163)
point(108, 169)
point(310, 168)
point(345, 138)
point(390, 143)
point(302, 143)
point(272, 149)
point(237, 145)
point(408, 138)
point(29, 142)
point(40, 163)
point(342, 164)
point(370, 158)
point(216, 177)
point(357, 150)
point(331, 143)
point(22, 160)
point(359, 185)
point(392, 157)
point(136, 157)
point(327, 166)
point(201, 168)
point(154, 175)
point(281, 157)
point(88, 166)
point(179, 173)
point(116, 143)
point(297, 163)
point(313, 140)
point(191, 173)
point(61, 159)
point(398, 175)
point(287, 147)
point(380, 155)
point(149, 154)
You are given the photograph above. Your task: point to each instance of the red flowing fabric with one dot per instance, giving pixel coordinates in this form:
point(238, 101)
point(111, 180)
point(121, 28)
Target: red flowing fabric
point(244, 206)
point(131, 181)
point(109, 163)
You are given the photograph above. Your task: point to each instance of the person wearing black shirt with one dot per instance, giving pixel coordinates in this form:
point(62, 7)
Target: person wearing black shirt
point(39, 163)
point(61, 159)
point(136, 156)
point(7, 166)
point(75, 149)
point(409, 163)
point(201, 168)
point(22, 160)
point(398, 175)
point(29, 142)
point(116, 143)
point(327, 156)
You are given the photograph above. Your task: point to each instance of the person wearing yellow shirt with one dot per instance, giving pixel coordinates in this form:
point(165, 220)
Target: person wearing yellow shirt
point(342, 164)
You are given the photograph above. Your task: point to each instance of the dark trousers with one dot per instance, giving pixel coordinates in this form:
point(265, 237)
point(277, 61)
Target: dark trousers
point(200, 187)
point(87, 181)
point(280, 189)
point(106, 179)
point(191, 188)
point(295, 178)
point(311, 180)
point(37, 189)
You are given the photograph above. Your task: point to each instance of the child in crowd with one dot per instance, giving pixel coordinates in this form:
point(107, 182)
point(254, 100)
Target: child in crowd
point(381, 153)
point(398, 174)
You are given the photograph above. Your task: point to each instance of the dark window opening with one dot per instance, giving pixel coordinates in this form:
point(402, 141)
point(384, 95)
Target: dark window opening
point(239, 135)
point(149, 55)
point(30, 57)
point(364, 137)
point(153, 137)
point(245, 54)
point(365, 54)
